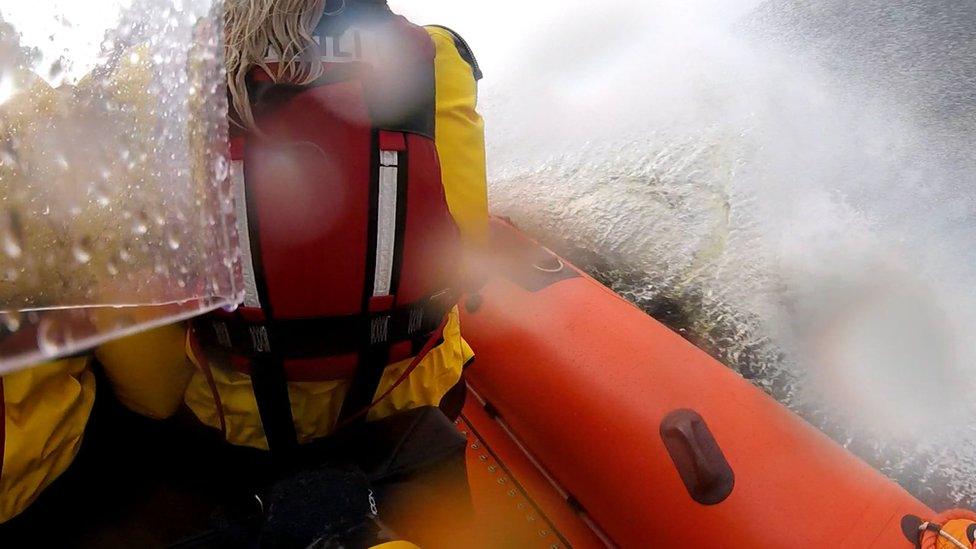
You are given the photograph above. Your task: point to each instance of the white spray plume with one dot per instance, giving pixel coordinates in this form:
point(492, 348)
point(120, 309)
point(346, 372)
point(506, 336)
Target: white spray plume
point(806, 226)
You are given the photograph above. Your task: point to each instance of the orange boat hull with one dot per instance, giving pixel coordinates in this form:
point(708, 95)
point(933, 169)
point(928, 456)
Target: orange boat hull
point(583, 381)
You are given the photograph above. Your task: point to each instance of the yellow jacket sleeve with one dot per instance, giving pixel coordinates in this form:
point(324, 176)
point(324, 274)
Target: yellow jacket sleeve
point(43, 411)
point(149, 372)
point(460, 136)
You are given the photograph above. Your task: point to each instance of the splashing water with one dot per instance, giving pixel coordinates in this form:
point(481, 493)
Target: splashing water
point(801, 213)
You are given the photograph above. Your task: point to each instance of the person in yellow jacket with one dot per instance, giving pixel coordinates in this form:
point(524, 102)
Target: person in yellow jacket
point(222, 396)
point(150, 373)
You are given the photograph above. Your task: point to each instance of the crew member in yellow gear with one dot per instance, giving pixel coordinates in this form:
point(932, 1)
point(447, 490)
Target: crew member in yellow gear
point(221, 395)
point(303, 73)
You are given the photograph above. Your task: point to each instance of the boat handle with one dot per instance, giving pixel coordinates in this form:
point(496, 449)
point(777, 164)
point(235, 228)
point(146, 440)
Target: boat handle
point(697, 456)
point(557, 268)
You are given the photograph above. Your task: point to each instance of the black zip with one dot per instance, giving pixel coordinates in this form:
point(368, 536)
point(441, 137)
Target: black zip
point(465, 50)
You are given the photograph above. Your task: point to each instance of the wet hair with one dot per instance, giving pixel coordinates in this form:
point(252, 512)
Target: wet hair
point(255, 30)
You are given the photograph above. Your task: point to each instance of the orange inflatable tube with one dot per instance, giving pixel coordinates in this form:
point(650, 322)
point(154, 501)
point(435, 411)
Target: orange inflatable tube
point(655, 442)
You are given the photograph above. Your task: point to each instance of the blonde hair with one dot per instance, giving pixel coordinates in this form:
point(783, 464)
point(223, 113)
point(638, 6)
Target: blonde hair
point(257, 29)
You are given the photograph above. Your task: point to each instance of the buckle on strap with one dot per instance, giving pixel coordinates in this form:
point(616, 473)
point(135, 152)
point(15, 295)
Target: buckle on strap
point(260, 341)
point(379, 330)
point(325, 336)
point(416, 320)
point(223, 334)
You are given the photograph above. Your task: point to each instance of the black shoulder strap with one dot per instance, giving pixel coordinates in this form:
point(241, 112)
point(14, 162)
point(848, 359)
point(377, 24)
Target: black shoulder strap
point(274, 406)
point(374, 353)
point(268, 380)
point(465, 50)
point(365, 382)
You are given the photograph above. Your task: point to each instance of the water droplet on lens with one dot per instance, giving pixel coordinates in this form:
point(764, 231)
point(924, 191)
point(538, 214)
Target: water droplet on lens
point(11, 233)
point(141, 225)
point(8, 156)
point(52, 336)
point(173, 243)
point(98, 192)
point(10, 320)
point(220, 168)
point(56, 69)
point(123, 321)
point(7, 87)
point(82, 250)
point(125, 255)
point(112, 268)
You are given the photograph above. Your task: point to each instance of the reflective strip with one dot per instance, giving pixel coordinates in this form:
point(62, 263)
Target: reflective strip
point(389, 158)
point(247, 266)
point(386, 213)
point(354, 45)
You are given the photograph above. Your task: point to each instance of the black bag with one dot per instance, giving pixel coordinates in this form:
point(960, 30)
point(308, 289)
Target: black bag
point(349, 489)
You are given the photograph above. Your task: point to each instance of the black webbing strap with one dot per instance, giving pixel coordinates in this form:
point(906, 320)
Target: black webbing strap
point(268, 380)
point(365, 382)
point(326, 336)
point(384, 329)
point(270, 387)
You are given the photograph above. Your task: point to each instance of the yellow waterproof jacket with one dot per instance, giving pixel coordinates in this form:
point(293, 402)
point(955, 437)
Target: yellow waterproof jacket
point(43, 412)
point(44, 409)
point(460, 135)
point(223, 398)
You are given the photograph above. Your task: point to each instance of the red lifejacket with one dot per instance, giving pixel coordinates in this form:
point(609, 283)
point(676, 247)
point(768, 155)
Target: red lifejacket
point(349, 251)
